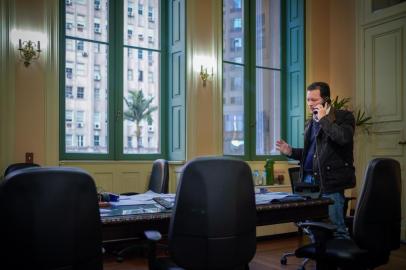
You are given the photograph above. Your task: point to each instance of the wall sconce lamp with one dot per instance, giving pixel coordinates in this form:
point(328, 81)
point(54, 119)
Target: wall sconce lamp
point(29, 51)
point(204, 75)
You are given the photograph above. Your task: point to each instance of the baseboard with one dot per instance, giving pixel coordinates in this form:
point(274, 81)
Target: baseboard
point(277, 236)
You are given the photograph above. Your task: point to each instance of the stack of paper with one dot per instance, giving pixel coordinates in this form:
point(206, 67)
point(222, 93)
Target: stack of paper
point(140, 199)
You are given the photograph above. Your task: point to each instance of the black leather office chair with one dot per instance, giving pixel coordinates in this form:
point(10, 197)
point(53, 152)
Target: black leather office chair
point(299, 187)
point(159, 183)
point(50, 220)
point(18, 166)
point(159, 179)
point(213, 224)
point(376, 228)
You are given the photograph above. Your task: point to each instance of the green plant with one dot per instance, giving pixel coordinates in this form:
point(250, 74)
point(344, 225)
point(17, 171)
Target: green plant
point(139, 108)
point(361, 120)
point(340, 104)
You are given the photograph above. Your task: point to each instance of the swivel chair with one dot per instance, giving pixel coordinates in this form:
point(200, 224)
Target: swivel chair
point(376, 228)
point(50, 220)
point(18, 166)
point(158, 183)
point(213, 224)
point(159, 179)
point(302, 189)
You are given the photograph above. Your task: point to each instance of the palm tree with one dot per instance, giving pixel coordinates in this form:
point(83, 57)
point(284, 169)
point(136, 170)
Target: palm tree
point(139, 108)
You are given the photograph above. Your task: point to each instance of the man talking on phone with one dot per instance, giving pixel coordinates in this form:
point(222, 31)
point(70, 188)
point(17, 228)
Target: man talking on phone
point(327, 157)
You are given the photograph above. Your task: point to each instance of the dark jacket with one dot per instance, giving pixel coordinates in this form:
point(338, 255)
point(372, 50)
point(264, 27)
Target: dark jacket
point(333, 163)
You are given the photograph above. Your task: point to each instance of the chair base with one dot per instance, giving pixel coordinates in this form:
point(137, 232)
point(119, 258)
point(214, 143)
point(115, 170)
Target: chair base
point(284, 260)
point(136, 248)
point(284, 257)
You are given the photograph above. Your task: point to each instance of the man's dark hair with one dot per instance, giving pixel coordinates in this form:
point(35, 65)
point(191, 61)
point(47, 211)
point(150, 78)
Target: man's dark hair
point(323, 87)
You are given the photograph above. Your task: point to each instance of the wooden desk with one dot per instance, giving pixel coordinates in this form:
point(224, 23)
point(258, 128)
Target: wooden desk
point(132, 226)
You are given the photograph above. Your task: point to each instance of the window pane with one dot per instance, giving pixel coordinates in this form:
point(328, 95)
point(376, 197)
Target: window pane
point(268, 110)
point(141, 100)
point(85, 94)
point(87, 19)
point(233, 31)
point(141, 23)
point(233, 109)
point(268, 33)
point(68, 140)
point(86, 73)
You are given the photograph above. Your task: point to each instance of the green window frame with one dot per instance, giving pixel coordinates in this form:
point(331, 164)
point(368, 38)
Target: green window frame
point(243, 129)
point(117, 51)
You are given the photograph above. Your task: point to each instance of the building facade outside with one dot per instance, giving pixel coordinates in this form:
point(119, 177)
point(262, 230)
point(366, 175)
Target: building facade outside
point(86, 74)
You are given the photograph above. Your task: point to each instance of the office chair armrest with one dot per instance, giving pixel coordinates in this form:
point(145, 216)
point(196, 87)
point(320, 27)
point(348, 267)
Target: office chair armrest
point(317, 226)
point(154, 236)
point(318, 232)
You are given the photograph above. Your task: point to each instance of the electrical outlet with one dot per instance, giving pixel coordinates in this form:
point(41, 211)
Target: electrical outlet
point(29, 157)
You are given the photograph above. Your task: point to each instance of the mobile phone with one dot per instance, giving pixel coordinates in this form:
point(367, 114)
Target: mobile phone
point(323, 103)
point(326, 100)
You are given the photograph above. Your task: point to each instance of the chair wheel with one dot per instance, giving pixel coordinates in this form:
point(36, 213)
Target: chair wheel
point(284, 261)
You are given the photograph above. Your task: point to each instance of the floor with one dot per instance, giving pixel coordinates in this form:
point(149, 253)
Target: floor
point(267, 257)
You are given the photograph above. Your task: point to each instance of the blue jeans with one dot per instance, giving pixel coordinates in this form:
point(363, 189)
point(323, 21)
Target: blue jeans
point(336, 214)
point(335, 211)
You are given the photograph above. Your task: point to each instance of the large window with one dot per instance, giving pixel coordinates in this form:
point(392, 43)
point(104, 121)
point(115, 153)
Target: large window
point(255, 74)
point(122, 118)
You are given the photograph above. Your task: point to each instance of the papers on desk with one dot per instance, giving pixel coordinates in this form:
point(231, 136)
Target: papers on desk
point(140, 199)
point(261, 198)
point(276, 197)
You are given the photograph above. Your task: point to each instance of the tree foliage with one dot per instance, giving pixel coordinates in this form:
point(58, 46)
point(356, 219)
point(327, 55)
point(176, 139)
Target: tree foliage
point(138, 109)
